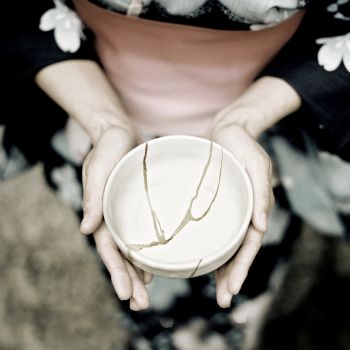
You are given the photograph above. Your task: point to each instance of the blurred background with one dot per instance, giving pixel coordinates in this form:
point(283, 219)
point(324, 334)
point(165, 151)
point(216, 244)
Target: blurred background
point(54, 294)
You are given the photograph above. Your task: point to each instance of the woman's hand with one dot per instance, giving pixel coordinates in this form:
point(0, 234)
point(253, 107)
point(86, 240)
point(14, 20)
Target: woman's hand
point(236, 139)
point(82, 89)
point(237, 128)
point(128, 281)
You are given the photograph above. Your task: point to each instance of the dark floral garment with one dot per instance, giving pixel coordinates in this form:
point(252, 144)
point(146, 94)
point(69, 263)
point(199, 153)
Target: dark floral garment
point(315, 62)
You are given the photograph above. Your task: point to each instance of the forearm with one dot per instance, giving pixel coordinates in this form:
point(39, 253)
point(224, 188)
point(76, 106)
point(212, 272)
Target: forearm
point(265, 103)
point(81, 88)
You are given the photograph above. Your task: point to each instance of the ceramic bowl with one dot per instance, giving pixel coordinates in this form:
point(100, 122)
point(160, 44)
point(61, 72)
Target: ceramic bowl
point(178, 206)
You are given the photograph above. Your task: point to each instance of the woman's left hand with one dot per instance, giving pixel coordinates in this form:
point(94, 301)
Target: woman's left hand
point(236, 139)
point(237, 127)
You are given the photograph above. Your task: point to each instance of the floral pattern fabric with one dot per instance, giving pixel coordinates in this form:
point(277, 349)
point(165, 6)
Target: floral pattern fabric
point(68, 33)
point(66, 25)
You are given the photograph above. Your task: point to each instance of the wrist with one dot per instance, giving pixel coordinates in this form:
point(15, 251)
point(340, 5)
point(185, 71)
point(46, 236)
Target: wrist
point(102, 121)
point(265, 102)
point(247, 117)
point(81, 88)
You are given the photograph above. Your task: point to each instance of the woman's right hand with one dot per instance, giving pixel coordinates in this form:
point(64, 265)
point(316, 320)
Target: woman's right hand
point(128, 281)
point(83, 90)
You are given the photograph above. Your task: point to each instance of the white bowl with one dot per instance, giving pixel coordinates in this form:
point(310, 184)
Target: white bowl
point(178, 206)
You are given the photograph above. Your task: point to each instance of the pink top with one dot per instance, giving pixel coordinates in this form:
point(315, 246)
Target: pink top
point(172, 78)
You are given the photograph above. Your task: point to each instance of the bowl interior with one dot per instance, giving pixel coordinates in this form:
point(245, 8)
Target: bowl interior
point(175, 201)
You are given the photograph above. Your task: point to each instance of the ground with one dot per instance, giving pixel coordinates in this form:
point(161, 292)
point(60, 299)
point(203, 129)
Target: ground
point(53, 294)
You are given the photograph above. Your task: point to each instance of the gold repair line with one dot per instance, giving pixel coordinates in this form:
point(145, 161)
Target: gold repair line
point(205, 170)
point(142, 246)
point(156, 222)
point(216, 191)
point(196, 269)
point(188, 215)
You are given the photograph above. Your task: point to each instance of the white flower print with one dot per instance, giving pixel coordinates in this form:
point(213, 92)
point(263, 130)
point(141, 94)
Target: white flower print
point(67, 26)
point(135, 8)
point(249, 11)
point(334, 51)
point(334, 8)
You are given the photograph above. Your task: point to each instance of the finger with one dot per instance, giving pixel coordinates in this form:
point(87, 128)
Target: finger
point(147, 277)
point(84, 176)
point(84, 170)
point(140, 298)
point(258, 166)
point(238, 268)
point(110, 148)
point(259, 169)
point(133, 305)
point(114, 262)
point(223, 295)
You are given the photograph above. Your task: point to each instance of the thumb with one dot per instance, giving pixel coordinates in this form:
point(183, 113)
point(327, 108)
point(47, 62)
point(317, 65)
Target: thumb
point(93, 193)
point(105, 155)
point(259, 172)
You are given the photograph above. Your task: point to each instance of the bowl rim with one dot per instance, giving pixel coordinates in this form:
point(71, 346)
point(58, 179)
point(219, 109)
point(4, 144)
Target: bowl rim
point(189, 265)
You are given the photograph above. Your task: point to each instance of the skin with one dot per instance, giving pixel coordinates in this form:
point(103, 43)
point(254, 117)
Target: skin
point(82, 89)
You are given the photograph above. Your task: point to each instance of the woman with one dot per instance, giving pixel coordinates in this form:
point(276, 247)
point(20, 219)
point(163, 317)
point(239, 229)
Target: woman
point(228, 70)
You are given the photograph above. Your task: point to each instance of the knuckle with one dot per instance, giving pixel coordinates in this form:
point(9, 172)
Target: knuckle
point(116, 270)
point(253, 243)
point(262, 201)
point(91, 198)
point(87, 201)
point(242, 264)
point(103, 249)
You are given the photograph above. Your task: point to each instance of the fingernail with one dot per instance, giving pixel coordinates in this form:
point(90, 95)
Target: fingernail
point(263, 221)
point(236, 284)
point(226, 300)
point(236, 288)
point(121, 286)
point(84, 224)
point(122, 294)
point(132, 305)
